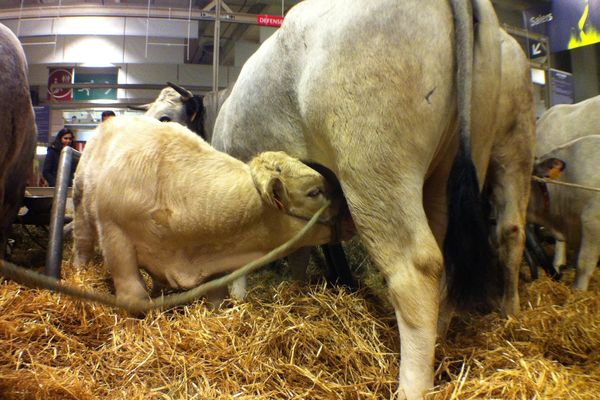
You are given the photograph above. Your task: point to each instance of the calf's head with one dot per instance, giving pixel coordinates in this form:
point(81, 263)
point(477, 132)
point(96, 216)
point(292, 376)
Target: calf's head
point(291, 186)
point(539, 201)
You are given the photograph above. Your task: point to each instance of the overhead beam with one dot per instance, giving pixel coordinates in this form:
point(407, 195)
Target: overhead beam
point(84, 10)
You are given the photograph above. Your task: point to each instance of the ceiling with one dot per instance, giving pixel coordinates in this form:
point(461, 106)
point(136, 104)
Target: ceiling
point(201, 49)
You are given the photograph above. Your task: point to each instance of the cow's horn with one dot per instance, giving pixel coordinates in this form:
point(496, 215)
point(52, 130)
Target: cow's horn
point(186, 94)
point(141, 107)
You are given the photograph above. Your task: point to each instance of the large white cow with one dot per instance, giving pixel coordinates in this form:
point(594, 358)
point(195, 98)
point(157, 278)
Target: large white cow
point(565, 122)
point(369, 90)
point(571, 214)
point(157, 196)
point(17, 130)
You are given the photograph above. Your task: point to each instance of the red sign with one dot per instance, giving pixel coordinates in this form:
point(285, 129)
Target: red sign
point(269, 20)
point(60, 75)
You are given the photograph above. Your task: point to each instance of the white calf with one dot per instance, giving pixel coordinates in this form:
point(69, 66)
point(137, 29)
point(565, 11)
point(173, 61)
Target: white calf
point(159, 197)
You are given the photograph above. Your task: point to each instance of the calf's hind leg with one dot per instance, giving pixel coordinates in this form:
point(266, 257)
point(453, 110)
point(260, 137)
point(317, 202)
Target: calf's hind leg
point(121, 259)
point(84, 238)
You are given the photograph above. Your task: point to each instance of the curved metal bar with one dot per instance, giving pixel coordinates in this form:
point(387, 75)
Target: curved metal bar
point(57, 214)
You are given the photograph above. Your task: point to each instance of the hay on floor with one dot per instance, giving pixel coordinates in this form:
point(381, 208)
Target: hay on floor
point(291, 341)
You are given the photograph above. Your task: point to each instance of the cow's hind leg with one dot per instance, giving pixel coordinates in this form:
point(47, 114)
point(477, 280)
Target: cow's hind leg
point(121, 259)
point(395, 232)
point(589, 250)
point(508, 179)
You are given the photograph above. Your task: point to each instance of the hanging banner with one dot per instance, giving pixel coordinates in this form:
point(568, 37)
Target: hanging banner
point(269, 20)
point(60, 75)
point(568, 23)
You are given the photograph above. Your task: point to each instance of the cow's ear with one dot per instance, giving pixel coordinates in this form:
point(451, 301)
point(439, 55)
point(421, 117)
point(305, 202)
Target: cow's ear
point(550, 168)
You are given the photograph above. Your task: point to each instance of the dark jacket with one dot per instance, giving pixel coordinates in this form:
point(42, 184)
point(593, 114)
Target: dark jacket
point(50, 168)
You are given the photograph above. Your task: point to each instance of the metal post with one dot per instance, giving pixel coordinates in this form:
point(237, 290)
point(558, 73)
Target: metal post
point(57, 214)
point(216, 51)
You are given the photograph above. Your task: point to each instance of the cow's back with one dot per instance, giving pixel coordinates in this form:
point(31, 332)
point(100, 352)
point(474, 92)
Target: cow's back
point(17, 129)
point(358, 62)
point(565, 122)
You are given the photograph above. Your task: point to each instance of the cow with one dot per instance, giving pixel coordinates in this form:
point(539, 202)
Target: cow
point(17, 131)
point(565, 122)
point(561, 124)
point(378, 92)
point(177, 104)
point(570, 214)
point(183, 211)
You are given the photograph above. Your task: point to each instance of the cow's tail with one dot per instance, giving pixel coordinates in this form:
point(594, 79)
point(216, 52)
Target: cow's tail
point(467, 251)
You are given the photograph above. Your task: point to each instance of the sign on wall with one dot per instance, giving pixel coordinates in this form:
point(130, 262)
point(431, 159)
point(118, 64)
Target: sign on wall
point(568, 23)
point(60, 75)
point(561, 87)
point(95, 93)
point(42, 121)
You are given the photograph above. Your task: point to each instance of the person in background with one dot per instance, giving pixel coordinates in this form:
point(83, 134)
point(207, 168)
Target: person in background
point(107, 114)
point(64, 137)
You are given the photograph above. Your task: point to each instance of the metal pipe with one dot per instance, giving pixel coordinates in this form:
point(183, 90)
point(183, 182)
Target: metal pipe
point(216, 49)
point(57, 214)
point(90, 10)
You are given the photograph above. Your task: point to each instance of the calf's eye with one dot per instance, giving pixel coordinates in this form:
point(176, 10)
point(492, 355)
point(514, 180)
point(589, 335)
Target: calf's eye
point(314, 192)
point(164, 119)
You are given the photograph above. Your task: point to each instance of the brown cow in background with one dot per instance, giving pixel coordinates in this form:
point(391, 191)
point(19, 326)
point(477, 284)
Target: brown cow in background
point(17, 130)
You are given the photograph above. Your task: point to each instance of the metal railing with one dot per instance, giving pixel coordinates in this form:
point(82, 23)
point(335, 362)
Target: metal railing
point(57, 214)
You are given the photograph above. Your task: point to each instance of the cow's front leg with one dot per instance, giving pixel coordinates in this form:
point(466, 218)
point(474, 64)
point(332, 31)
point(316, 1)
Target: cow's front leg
point(560, 254)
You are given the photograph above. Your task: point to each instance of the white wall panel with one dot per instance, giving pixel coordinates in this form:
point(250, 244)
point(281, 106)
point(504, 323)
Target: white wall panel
point(93, 49)
point(107, 26)
point(168, 28)
point(151, 73)
point(43, 50)
point(135, 51)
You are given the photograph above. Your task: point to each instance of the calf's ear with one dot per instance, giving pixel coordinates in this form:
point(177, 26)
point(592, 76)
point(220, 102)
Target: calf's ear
point(274, 193)
point(549, 168)
point(267, 180)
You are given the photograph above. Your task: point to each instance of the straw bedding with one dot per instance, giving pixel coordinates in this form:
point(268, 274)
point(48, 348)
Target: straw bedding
point(289, 341)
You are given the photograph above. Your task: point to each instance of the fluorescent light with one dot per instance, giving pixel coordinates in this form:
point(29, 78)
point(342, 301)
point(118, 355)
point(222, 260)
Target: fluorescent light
point(538, 76)
point(97, 64)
